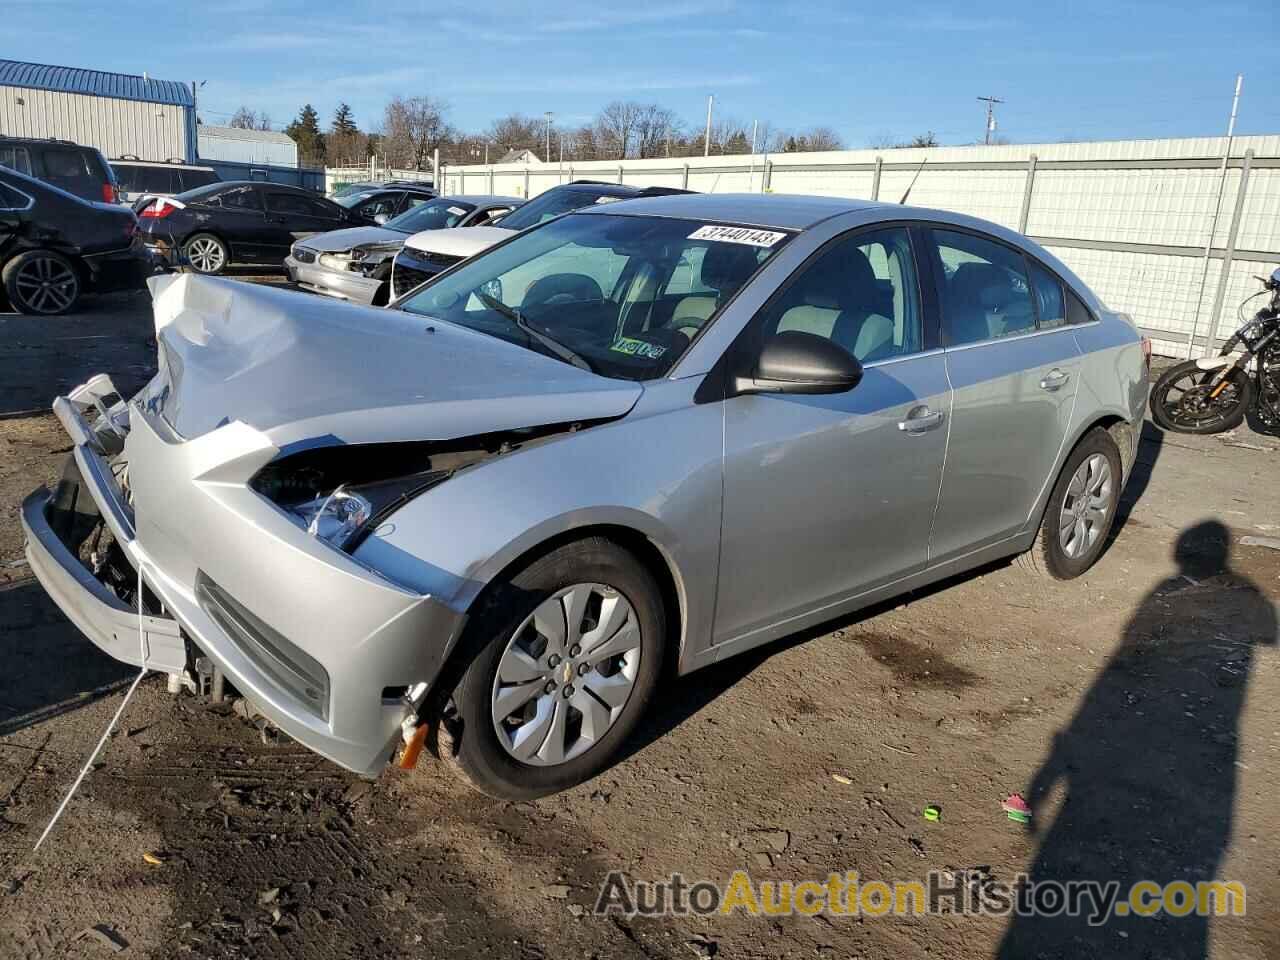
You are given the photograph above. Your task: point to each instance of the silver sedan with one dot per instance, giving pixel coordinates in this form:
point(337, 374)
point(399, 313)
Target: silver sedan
point(355, 264)
point(650, 434)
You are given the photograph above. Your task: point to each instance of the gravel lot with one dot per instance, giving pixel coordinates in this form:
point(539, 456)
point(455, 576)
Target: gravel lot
point(1137, 707)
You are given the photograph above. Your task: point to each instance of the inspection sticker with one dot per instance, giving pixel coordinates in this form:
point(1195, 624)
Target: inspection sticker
point(747, 235)
point(638, 348)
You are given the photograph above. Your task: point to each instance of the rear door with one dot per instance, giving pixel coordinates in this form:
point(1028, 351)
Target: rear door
point(295, 216)
point(827, 497)
point(1014, 366)
point(237, 215)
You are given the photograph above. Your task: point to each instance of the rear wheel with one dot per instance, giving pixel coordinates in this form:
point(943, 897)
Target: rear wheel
point(41, 282)
point(206, 254)
point(563, 660)
point(1080, 511)
point(1187, 399)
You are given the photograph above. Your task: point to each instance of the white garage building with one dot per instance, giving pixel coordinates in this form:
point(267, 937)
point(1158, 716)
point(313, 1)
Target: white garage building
point(235, 144)
point(119, 113)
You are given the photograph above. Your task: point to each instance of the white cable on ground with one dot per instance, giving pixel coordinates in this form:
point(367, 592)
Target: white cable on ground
point(142, 658)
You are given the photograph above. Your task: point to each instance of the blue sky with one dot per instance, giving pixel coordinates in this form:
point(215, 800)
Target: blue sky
point(1096, 69)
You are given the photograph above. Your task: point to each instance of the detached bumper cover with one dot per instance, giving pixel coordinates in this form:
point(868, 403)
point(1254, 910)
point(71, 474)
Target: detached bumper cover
point(194, 524)
point(342, 284)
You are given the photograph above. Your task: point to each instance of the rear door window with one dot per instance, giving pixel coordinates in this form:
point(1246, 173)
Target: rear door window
point(190, 179)
point(985, 292)
point(1049, 303)
point(288, 203)
point(70, 170)
point(241, 198)
point(16, 158)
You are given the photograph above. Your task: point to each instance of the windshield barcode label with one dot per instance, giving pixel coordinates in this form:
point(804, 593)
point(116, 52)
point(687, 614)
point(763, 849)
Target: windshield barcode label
point(747, 235)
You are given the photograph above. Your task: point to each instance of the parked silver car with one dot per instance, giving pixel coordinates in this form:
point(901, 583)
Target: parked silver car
point(656, 433)
point(355, 264)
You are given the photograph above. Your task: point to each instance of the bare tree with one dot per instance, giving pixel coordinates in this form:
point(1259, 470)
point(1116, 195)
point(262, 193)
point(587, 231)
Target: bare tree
point(616, 129)
point(412, 128)
point(518, 132)
point(655, 129)
point(246, 119)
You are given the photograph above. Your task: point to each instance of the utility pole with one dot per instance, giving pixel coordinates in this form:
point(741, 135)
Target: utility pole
point(991, 117)
point(547, 154)
point(706, 143)
point(1213, 225)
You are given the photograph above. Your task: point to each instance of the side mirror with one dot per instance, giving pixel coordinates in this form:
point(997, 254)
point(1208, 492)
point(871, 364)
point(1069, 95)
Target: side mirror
point(380, 219)
point(795, 362)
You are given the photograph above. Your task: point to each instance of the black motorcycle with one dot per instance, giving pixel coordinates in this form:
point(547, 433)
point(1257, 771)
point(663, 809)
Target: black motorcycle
point(1214, 394)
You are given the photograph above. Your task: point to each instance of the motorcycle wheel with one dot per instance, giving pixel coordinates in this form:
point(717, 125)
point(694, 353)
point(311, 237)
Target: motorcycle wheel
point(1181, 401)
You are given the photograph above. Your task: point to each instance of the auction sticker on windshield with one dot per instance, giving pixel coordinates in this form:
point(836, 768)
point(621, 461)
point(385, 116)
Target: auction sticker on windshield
point(747, 235)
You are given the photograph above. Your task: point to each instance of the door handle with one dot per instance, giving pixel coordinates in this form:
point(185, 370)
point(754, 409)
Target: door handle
point(920, 420)
point(1054, 379)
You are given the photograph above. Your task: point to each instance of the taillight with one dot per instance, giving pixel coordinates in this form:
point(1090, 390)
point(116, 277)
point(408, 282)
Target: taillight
point(1146, 352)
point(109, 194)
point(157, 211)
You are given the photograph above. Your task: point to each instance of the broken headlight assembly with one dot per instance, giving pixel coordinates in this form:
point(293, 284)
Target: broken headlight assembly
point(346, 514)
point(359, 259)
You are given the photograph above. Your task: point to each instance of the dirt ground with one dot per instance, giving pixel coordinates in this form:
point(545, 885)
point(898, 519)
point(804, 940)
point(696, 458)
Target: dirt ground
point(1138, 708)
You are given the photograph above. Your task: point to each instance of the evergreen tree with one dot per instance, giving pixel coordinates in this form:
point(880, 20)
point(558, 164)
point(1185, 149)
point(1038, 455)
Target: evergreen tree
point(344, 121)
point(305, 132)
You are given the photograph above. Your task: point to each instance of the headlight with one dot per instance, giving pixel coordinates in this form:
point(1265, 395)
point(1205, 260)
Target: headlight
point(335, 261)
point(335, 518)
point(344, 517)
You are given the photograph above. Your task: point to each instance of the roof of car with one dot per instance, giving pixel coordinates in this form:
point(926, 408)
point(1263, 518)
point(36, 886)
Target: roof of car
point(784, 211)
point(484, 199)
point(264, 183)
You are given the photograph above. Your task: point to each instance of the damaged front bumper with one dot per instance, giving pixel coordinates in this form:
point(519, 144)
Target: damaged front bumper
point(322, 645)
point(342, 284)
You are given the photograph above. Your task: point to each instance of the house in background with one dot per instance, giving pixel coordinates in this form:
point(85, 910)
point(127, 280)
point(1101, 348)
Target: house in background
point(527, 157)
point(119, 113)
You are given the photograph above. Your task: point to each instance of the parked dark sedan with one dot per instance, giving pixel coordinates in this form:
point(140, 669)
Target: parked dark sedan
point(383, 202)
point(238, 221)
point(55, 246)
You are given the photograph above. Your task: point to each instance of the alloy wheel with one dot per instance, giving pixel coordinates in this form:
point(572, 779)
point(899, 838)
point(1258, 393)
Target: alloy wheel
point(566, 674)
point(47, 284)
point(206, 255)
point(1086, 506)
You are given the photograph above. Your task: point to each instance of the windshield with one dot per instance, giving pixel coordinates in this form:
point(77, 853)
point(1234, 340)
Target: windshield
point(347, 188)
point(551, 204)
point(432, 215)
point(623, 296)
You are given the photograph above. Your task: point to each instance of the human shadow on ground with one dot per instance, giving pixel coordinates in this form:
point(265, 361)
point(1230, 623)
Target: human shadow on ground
point(1145, 770)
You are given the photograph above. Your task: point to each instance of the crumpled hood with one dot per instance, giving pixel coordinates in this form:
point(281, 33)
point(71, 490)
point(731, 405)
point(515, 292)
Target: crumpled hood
point(458, 242)
point(339, 241)
point(307, 369)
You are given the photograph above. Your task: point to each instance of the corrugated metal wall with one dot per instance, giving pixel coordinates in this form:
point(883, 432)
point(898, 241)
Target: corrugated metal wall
point(1130, 217)
point(219, 146)
point(149, 131)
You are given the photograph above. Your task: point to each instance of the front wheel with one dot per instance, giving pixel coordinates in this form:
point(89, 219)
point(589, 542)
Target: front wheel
point(1186, 400)
point(563, 660)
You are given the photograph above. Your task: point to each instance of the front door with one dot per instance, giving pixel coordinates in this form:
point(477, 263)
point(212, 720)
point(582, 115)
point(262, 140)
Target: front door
point(826, 497)
point(1015, 367)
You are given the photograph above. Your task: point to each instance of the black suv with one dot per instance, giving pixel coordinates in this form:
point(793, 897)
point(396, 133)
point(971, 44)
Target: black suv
point(238, 221)
point(141, 181)
point(75, 168)
point(55, 246)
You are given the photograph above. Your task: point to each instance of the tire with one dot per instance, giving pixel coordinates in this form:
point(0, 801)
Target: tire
point(206, 254)
point(42, 283)
point(1049, 555)
point(536, 745)
point(1180, 414)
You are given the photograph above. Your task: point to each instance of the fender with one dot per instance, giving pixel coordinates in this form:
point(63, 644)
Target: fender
point(1213, 363)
